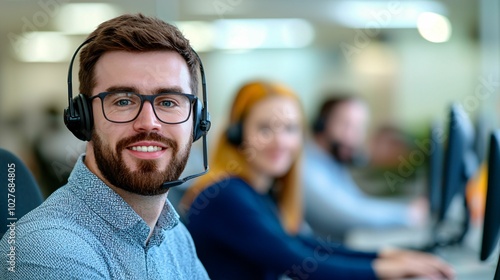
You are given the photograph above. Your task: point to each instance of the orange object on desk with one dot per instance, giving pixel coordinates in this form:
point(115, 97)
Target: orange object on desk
point(476, 194)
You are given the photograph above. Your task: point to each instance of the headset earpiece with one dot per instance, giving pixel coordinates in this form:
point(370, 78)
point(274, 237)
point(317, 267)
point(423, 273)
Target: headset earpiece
point(201, 117)
point(234, 133)
point(198, 128)
point(80, 122)
point(78, 116)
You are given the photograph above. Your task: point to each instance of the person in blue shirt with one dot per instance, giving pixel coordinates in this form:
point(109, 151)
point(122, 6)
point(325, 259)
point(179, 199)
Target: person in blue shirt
point(338, 134)
point(138, 81)
point(245, 216)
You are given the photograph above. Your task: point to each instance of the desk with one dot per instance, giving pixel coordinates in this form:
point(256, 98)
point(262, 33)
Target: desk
point(464, 259)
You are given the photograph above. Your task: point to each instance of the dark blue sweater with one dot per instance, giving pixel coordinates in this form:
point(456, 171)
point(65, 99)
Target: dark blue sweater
point(238, 235)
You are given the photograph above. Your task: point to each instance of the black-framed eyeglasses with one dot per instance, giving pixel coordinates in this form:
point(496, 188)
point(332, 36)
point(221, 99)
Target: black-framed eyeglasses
point(123, 107)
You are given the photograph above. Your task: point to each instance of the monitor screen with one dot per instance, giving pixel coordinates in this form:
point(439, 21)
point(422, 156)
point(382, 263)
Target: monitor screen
point(491, 223)
point(460, 159)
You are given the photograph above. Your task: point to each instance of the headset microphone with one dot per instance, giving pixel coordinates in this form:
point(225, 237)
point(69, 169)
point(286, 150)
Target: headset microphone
point(169, 184)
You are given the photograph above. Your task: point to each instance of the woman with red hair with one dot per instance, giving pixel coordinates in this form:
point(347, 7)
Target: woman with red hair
point(245, 215)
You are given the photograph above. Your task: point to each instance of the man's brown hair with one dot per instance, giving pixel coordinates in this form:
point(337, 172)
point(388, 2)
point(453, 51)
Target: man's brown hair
point(134, 33)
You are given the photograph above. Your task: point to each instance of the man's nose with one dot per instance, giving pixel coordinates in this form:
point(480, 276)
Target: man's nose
point(147, 120)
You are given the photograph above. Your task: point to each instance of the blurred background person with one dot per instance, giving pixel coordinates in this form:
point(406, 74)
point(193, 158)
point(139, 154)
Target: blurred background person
point(334, 203)
point(245, 216)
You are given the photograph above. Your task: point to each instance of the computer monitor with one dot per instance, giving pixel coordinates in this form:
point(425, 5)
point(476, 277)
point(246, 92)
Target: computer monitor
point(491, 222)
point(460, 164)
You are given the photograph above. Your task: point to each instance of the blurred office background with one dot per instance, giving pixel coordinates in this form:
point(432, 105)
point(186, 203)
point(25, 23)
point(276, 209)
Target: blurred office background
point(409, 59)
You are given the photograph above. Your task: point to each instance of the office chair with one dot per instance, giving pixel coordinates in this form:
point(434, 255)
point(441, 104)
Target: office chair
point(19, 192)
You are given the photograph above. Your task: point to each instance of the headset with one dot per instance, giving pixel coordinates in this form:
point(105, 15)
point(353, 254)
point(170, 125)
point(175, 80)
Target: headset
point(78, 117)
point(234, 133)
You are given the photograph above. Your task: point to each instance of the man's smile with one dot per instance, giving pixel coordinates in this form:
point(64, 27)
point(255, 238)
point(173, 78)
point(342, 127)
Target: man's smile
point(147, 149)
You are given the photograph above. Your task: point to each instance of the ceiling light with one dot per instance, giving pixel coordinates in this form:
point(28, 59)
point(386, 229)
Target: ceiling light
point(434, 27)
point(42, 47)
point(383, 14)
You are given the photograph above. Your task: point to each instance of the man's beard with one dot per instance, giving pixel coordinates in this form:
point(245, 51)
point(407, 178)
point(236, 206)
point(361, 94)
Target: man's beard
point(147, 179)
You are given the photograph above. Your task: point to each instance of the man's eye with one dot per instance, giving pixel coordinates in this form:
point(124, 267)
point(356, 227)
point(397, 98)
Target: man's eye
point(123, 102)
point(167, 103)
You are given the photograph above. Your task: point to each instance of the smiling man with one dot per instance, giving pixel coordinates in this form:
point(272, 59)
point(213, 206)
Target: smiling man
point(138, 110)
